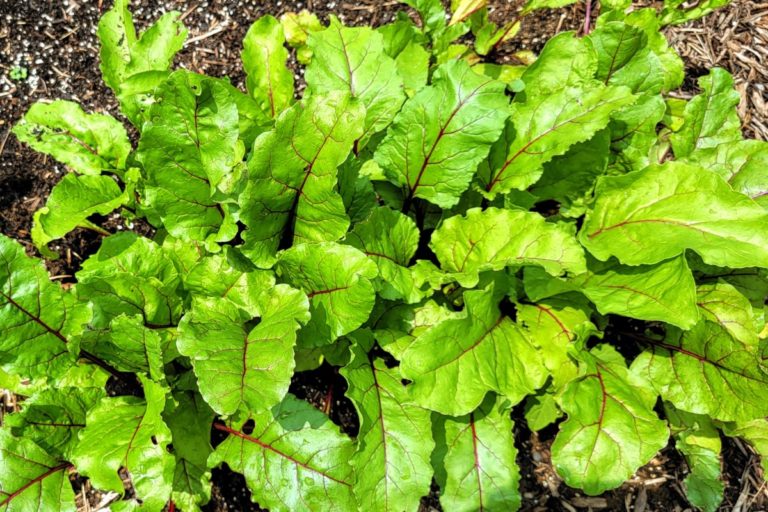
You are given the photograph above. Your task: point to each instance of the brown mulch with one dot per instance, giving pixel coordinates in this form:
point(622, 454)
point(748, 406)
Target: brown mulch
point(55, 41)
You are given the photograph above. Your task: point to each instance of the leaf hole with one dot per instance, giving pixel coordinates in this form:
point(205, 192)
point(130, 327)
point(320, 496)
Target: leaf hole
point(248, 427)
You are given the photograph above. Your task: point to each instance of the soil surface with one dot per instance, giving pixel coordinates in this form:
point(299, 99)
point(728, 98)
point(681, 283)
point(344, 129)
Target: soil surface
point(54, 43)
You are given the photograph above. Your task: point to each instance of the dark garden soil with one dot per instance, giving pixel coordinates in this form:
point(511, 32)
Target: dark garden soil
point(54, 40)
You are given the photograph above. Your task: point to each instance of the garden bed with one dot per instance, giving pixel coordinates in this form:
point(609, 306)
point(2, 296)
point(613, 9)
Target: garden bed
point(55, 43)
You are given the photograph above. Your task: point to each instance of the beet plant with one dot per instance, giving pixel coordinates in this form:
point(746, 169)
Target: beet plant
point(459, 238)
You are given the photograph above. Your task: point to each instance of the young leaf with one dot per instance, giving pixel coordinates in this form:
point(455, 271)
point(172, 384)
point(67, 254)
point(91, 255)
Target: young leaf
point(293, 459)
point(291, 194)
point(129, 433)
point(124, 55)
point(31, 480)
point(392, 462)
point(239, 366)
point(493, 239)
point(699, 441)
point(478, 459)
point(87, 143)
point(706, 371)
point(353, 59)
point(654, 214)
point(457, 362)
point(543, 127)
point(337, 281)
point(436, 141)
point(269, 81)
point(611, 428)
point(72, 201)
point(390, 239)
point(189, 418)
point(710, 118)
point(53, 417)
point(187, 149)
point(38, 320)
point(131, 275)
point(431, 13)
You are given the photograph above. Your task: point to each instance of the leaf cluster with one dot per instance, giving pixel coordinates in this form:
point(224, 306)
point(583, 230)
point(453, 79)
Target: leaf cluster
point(457, 237)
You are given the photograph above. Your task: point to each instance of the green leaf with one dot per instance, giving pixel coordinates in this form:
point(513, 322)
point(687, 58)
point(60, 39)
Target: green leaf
point(413, 66)
point(442, 133)
point(129, 433)
point(651, 215)
point(264, 56)
point(238, 365)
point(699, 441)
point(129, 346)
point(31, 479)
point(392, 462)
point(291, 195)
point(706, 371)
point(390, 239)
point(353, 59)
point(131, 275)
point(741, 163)
point(633, 133)
point(478, 458)
point(189, 418)
point(611, 428)
point(454, 364)
point(294, 459)
point(543, 127)
point(723, 304)
point(298, 26)
point(663, 292)
point(337, 281)
point(677, 11)
point(554, 325)
point(87, 143)
point(187, 150)
point(431, 13)
point(710, 119)
point(484, 240)
point(565, 61)
point(72, 201)
point(123, 54)
point(755, 432)
point(399, 324)
point(532, 5)
point(38, 320)
point(53, 417)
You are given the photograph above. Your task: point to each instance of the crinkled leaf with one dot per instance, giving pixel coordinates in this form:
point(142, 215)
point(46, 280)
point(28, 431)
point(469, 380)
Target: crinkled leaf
point(611, 428)
point(264, 56)
point(651, 215)
point(699, 441)
point(493, 239)
point(399, 324)
point(543, 127)
point(187, 149)
point(129, 433)
point(131, 275)
point(238, 365)
point(706, 371)
point(38, 320)
point(87, 143)
point(392, 462)
point(710, 118)
point(442, 133)
point(390, 239)
point(723, 304)
point(294, 458)
point(291, 195)
point(477, 455)
point(337, 281)
point(31, 480)
point(454, 364)
point(553, 325)
point(353, 59)
point(72, 201)
point(298, 26)
point(742, 164)
point(53, 417)
point(189, 418)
